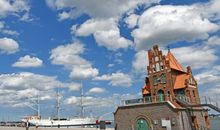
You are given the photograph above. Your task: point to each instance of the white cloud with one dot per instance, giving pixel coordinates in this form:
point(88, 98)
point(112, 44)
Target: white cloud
point(10, 32)
point(140, 61)
point(13, 7)
point(131, 20)
point(64, 15)
point(74, 86)
point(15, 88)
point(195, 56)
point(8, 45)
point(111, 65)
point(116, 79)
point(211, 9)
point(69, 56)
point(102, 10)
point(28, 61)
point(105, 32)
point(103, 24)
point(96, 90)
point(83, 72)
point(186, 24)
point(208, 79)
point(214, 40)
point(90, 101)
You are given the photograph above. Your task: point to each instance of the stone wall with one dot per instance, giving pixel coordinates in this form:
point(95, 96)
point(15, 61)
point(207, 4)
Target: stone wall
point(126, 116)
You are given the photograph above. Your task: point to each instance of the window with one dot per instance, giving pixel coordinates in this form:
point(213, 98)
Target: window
point(157, 67)
point(163, 78)
point(194, 95)
point(155, 81)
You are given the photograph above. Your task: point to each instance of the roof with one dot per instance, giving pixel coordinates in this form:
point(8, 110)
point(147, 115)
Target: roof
point(180, 81)
point(174, 64)
point(146, 90)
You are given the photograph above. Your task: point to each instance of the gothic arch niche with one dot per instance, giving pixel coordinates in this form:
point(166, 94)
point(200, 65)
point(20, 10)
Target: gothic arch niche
point(142, 123)
point(160, 96)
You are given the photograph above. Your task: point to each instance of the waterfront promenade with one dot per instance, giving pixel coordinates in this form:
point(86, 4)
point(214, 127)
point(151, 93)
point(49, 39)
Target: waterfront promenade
point(33, 128)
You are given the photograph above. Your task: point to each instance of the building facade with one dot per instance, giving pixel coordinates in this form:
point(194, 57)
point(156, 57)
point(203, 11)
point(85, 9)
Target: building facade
point(170, 99)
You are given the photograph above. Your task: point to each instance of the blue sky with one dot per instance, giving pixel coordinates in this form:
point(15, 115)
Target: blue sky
point(59, 43)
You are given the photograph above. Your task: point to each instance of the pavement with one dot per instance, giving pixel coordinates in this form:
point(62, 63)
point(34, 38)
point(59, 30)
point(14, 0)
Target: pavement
point(33, 128)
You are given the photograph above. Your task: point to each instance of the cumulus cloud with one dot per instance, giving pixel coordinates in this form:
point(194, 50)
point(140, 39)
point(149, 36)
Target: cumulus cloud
point(83, 72)
point(96, 90)
point(105, 32)
point(10, 32)
point(8, 45)
point(116, 79)
point(74, 86)
point(185, 25)
point(196, 56)
point(103, 24)
point(208, 79)
point(90, 101)
point(104, 9)
point(28, 61)
point(17, 87)
point(131, 20)
point(214, 40)
point(69, 56)
point(13, 7)
point(140, 61)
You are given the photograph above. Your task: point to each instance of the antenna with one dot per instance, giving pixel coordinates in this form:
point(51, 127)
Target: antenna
point(81, 103)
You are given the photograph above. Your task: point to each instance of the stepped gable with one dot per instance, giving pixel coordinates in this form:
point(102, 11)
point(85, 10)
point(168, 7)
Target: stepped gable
point(167, 79)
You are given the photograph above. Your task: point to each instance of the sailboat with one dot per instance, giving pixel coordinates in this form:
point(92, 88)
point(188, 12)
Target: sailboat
point(81, 121)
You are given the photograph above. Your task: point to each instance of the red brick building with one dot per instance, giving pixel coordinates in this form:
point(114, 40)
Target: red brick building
point(170, 95)
point(167, 79)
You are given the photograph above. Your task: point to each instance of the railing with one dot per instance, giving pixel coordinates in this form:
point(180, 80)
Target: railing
point(203, 101)
point(146, 100)
point(208, 100)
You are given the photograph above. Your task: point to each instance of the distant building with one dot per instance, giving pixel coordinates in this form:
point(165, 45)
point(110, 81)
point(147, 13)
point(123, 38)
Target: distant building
point(170, 99)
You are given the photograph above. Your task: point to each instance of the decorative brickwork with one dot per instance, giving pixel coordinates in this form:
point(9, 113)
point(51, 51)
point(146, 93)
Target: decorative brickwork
point(170, 99)
point(167, 79)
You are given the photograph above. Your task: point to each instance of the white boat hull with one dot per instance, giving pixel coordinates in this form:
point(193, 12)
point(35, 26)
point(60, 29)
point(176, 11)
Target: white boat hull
point(63, 123)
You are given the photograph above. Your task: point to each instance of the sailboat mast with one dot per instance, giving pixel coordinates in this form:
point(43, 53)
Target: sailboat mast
point(58, 104)
point(38, 106)
point(81, 103)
